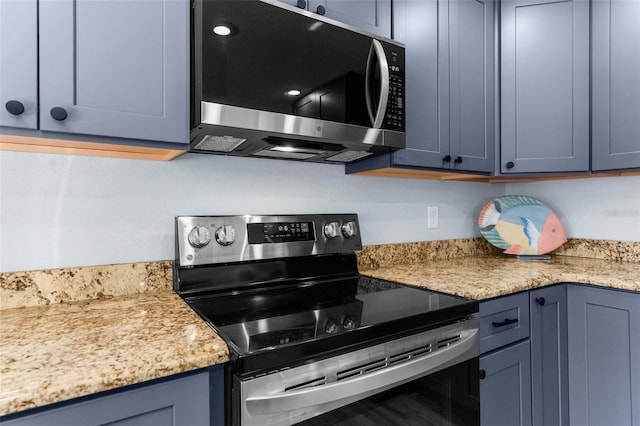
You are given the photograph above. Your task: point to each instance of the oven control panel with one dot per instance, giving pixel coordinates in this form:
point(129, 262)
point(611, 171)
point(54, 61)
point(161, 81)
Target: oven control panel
point(206, 240)
point(280, 232)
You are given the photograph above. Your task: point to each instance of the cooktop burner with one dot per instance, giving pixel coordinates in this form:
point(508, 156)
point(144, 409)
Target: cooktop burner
point(333, 315)
point(259, 321)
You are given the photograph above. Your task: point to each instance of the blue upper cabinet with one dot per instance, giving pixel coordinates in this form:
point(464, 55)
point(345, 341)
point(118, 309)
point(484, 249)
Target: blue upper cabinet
point(114, 69)
point(544, 86)
point(373, 16)
point(471, 85)
point(449, 84)
point(19, 63)
point(427, 134)
point(615, 84)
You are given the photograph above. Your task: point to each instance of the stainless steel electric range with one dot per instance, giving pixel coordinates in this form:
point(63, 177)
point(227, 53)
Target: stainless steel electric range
point(312, 341)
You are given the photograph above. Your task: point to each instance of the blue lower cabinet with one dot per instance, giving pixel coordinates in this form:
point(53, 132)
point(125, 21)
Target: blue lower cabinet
point(505, 386)
point(505, 361)
point(604, 353)
point(549, 361)
point(193, 400)
point(578, 365)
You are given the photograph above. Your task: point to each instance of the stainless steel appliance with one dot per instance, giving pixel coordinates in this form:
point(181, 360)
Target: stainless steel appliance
point(313, 341)
point(285, 83)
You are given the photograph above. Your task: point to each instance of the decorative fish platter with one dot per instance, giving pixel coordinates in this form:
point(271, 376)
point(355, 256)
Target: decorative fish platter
point(521, 225)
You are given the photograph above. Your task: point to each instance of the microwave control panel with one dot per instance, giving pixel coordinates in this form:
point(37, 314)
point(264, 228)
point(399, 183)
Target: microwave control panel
point(394, 118)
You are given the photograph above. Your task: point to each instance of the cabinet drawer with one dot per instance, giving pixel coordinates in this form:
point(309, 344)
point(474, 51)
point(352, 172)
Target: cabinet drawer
point(503, 321)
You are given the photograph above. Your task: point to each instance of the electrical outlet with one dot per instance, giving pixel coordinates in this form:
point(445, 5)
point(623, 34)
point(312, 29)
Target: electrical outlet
point(432, 217)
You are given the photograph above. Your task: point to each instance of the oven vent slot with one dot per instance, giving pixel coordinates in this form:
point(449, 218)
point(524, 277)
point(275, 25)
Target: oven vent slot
point(361, 369)
point(446, 342)
point(406, 356)
point(383, 362)
point(308, 384)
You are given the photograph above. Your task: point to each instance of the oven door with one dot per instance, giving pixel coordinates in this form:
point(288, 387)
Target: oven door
point(449, 397)
point(431, 375)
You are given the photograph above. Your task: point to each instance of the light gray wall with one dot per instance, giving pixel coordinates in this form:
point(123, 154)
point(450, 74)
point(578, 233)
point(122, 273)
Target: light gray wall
point(58, 211)
point(600, 209)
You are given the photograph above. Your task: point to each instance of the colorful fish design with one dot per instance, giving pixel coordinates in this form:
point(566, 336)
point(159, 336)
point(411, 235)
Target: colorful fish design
point(521, 225)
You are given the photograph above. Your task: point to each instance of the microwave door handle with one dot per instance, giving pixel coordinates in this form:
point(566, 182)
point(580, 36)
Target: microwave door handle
point(369, 384)
point(377, 51)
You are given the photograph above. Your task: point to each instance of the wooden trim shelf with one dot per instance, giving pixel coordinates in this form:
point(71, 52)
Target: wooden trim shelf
point(466, 177)
point(93, 149)
point(422, 174)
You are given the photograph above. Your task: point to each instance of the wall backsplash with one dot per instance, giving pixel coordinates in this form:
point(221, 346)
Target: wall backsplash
point(601, 249)
point(383, 255)
point(44, 287)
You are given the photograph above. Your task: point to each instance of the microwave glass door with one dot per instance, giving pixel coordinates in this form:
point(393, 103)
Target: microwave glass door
point(278, 60)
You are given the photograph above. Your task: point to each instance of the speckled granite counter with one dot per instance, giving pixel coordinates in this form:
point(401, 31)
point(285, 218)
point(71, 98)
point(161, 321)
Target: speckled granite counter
point(102, 336)
point(490, 276)
point(76, 331)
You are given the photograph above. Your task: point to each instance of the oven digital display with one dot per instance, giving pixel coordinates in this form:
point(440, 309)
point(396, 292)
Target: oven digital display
point(281, 232)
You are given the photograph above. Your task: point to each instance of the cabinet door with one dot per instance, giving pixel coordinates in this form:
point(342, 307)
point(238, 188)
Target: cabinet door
point(604, 349)
point(373, 16)
point(615, 80)
point(449, 83)
point(505, 392)
point(549, 369)
point(115, 68)
point(545, 86)
point(471, 82)
point(19, 63)
point(178, 402)
point(416, 24)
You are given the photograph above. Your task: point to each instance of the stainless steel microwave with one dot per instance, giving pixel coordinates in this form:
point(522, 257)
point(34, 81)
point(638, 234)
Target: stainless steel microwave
point(274, 81)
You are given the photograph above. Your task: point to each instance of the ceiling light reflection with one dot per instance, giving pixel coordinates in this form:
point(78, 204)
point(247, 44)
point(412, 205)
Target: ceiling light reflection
point(222, 30)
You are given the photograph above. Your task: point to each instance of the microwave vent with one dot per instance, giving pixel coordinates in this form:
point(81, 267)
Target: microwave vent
point(346, 156)
point(219, 143)
point(291, 155)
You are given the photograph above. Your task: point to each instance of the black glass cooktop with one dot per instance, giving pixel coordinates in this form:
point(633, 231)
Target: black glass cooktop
point(265, 327)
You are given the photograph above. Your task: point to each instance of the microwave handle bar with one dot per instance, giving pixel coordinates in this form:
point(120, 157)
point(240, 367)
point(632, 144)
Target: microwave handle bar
point(377, 51)
point(368, 384)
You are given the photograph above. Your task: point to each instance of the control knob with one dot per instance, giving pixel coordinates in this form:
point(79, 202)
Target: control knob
point(199, 237)
point(348, 323)
point(226, 235)
point(332, 230)
point(349, 229)
point(331, 327)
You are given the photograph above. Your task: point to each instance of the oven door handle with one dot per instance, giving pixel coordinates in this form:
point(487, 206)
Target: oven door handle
point(367, 384)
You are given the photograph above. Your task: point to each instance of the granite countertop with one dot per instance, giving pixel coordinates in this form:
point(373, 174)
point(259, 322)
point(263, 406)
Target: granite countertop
point(72, 332)
point(60, 351)
point(484, 277)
